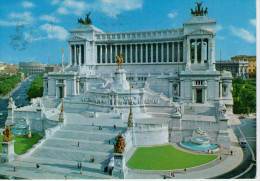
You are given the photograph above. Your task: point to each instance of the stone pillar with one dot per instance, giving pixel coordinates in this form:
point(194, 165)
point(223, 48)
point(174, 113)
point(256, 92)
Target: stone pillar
point(188, 55)
point(157, 53)
point(79, 55)
point(167, 52)
point(70, 56)
point(172, 51)
point(121, 50)
point(131, 53)
point(196, 52)
point(126, 55)
point(136, 57)
point(115, 50)
point(120, 169)
point(75, 55)
point(105, 54)
point(179, 52)
point(7, 151)
point(146, 53)
point(141, 48)
point(193, 92)
point(111, 61)
point(202, 51)
point(100, 53)
point(151, 52)
point(162, 52)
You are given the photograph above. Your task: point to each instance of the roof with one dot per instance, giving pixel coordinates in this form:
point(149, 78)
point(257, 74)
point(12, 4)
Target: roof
point(85, 28)
point(199, 20)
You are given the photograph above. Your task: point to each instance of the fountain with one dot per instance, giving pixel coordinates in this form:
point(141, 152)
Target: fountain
point(200, 144)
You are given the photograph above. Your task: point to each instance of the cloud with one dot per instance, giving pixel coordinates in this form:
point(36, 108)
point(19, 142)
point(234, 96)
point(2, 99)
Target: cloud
point(172, 15)
point(7, 23)
point(252, 22)
point(218, 27)
point(220, 37)
point(110, 7)
point(243, 34)
point(54, 2)
point(28, 4)
point(24, 18)
point(55, 32)
point(49, 18)
point(29, 37)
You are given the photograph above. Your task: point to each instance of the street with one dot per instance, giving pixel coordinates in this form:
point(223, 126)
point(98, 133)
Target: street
point(19, 96)
point(246, 130)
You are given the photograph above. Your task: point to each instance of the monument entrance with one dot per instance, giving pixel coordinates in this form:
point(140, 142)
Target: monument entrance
point(199, 95)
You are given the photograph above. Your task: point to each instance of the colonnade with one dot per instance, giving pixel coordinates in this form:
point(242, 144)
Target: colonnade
point(163, 52)
point(77, 54)
point(199, 50)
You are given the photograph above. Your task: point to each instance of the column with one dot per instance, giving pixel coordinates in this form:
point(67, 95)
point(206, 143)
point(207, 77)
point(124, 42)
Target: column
point(115, 50)
point(125, 58)
point(167, 52)
point(162, 52)
point(105, 54)
point(151, 52)
point(79, 55)
point(141, 48)
point(146, 53)
point(70, 55)
point(111, 46)
point(188, 55)
point(121, 50)
point(136, 57)
point(172, 51)
point(131, 53)
point(75, 55)
point(156, 52)
point(202, 51)
point(100, 51)
point(195, 52)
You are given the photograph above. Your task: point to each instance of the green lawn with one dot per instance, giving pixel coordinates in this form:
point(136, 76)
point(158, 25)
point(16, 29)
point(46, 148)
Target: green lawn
point(22, 143)
point(166, 158)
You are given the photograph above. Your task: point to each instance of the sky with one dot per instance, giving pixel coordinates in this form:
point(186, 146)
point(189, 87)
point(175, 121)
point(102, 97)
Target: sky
point(37, 30)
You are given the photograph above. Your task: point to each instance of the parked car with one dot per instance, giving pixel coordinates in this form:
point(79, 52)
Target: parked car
point(243, 143)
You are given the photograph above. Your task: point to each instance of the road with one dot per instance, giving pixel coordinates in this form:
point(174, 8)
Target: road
point(19, 96)
point(246, 130)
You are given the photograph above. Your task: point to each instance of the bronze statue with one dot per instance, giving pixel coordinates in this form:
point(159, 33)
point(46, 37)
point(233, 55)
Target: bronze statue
point(119, 60)
point(119, 146)
point(7, 134)
point(87, 20)
point(199, 10)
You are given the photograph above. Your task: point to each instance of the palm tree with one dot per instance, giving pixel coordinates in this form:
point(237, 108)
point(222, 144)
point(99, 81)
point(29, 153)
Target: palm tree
point(87, 20)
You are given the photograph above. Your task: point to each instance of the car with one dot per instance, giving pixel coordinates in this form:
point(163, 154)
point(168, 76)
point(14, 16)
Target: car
point(243, 143)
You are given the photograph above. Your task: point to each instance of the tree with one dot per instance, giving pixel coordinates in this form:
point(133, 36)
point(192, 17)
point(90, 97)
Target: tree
point(36, 89)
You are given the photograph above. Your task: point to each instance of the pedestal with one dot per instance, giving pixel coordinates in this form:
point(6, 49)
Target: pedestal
point(120, 83)
point(7, 151)
point(120, 169)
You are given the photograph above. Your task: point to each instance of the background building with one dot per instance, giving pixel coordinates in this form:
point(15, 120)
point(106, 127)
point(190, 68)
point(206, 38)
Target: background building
point(252, 63)
point(238, 68)
point(33, 68)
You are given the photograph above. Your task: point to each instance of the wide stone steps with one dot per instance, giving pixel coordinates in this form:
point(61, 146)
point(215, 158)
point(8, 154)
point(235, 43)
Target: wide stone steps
point(88, 128)
point(85, 136)
point(59, 168)
point(84, 145)
point(71, 155)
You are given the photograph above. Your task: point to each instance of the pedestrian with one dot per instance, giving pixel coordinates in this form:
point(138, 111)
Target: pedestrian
point(80, 171)
point(231, 152)
point(114, 126)
point(185, 169)
point(220, 158)
point(108, 141)
point(65, 177)
point(78, 144)
point(172, 174)
point(37, 165)
point(78, 165)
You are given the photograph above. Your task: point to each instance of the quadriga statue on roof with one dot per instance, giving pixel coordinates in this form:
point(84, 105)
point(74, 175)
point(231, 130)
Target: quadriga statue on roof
point(87, 20)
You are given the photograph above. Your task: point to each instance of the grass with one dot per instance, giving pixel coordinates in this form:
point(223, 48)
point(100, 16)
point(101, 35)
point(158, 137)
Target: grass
point(22, 143)
point(166, 158)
